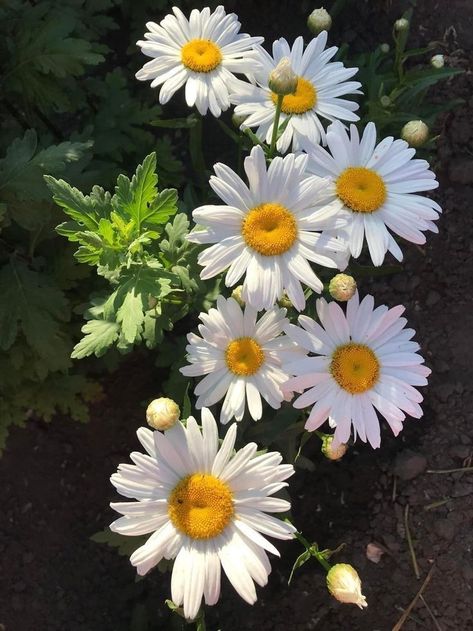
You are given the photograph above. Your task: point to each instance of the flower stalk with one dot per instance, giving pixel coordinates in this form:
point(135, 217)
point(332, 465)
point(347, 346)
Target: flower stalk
point(277, 115)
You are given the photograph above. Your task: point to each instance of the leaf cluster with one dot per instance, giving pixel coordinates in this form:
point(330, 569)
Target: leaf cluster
point(144, 257)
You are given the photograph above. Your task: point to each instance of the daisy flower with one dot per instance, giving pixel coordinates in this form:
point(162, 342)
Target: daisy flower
point(201, 52)
point(205, 507)
point(268, 230)
point(320, 85)
point(241, 358)
point(377, 185)
point(365, 361)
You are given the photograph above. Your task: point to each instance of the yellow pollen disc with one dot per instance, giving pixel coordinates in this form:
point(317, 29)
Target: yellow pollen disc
point(201, 55)
point(355, 367)
point(244, 356)
point(303, 99)
point(201, 506)
point(270, 229)
point(361, 189)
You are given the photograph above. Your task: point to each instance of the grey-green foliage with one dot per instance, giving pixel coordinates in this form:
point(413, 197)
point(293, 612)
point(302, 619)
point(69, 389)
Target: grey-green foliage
point(122, 235)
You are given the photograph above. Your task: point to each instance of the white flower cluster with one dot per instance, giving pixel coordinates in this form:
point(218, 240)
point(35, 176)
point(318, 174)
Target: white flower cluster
point(317, 205)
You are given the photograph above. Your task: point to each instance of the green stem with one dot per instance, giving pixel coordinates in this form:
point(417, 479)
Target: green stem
point(200, 621)
point(323, 562)
point(196, 152)
point(277, 115)
point(313, 550)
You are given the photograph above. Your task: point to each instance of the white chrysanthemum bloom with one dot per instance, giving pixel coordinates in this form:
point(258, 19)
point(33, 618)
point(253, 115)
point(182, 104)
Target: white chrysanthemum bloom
point(320, 85)
point(201, 52)
point(377, 185)
point(268, 230)
point(365, 361)
point(205, 506)
point(344, 584)
point(241, 358)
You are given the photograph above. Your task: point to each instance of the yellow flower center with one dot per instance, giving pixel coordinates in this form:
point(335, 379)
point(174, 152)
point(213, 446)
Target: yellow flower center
point(244, 356)
point(303, 99)
point(355, 367)
point(201, 506)
point(201, 55)
point(270, 229)
point(362, 190)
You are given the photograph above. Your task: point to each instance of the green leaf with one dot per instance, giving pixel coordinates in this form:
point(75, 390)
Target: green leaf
point(142, 190)
point(45, 50)
point(124, 545)
point(131, 314)
point(299, 562)
point(22, 168)
point(78, 206)
point(32, 305)
point(162, 208)
point(99, 336)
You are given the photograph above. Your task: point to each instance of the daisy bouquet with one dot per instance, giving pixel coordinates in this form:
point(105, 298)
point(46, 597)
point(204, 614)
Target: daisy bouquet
point(280, 341)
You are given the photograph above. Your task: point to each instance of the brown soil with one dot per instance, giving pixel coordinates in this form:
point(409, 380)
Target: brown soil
point(55, 478)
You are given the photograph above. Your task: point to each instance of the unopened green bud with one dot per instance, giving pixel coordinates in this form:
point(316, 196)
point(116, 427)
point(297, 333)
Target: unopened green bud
point(162, 413)
point(238, 119)
point(437, 62)
point(342, 287)
point(331, 452)
point(416, 133)
point(385, 101)
point(237, 295)
point(344, 584)
point(385, 48)
point(283, 79)
point(285, 302)
point(319, 20)
point(401, 25)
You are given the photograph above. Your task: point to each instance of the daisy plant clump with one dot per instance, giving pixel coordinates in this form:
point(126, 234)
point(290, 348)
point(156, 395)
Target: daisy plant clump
point(272, 233)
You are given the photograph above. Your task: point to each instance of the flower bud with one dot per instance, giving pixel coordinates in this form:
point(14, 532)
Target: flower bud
point(415, 133)
point(344, 584)
point(285, 302)
point(162, 413)
point(437, 62)
point(319, 20)
point(401, 25)
point(331, 452)
point(385, 48)
point(236, 295)
point(342, 287)
point(239, 119)
point(283, 79)
point(385, 101)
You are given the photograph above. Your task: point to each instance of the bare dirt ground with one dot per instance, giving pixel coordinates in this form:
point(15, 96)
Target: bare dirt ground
point(55, 478)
